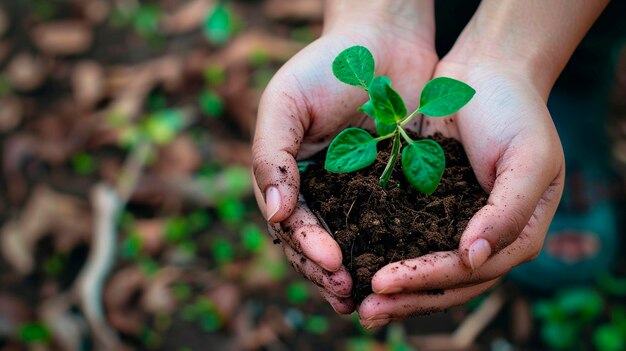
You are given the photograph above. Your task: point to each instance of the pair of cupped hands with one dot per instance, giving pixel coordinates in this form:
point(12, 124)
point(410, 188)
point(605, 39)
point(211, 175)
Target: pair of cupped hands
point(506, 131)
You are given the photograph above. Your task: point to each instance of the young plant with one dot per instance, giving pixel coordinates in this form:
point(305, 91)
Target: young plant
point(423, 161)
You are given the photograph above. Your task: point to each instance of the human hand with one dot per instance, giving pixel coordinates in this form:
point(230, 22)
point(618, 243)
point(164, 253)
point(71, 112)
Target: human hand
point(514, 149)
point(304, 107)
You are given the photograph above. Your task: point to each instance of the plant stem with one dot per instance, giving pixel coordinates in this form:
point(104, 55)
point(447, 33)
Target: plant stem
point(405, 135)
point(408, 118)
point(395, 151)
point(386, 136)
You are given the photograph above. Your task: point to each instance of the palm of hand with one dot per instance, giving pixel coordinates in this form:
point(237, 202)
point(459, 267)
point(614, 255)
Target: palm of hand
point(513, 147)
point(307, 106)
point(331, 106)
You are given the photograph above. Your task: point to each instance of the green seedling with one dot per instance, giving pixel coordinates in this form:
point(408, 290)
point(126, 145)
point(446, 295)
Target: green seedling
point(423, 161)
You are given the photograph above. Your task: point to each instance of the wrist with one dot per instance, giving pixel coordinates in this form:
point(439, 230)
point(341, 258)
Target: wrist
point(535, 38)
point(409, 20)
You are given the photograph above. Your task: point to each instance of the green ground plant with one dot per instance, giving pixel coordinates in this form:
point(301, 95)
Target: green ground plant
point(423, 161)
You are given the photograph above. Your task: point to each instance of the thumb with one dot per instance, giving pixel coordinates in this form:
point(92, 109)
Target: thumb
point(525, 195)
point(281, 124)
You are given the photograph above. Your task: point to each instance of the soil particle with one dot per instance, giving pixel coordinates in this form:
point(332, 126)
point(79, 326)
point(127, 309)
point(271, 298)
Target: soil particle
point(375, 227)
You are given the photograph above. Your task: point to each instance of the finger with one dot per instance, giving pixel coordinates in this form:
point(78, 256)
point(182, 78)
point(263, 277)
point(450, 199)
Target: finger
point(446, 270)
point(341, 305)
point(338, 283)
point(282, 121)
point(401, 306)
point(525, 195)
point(302, 231)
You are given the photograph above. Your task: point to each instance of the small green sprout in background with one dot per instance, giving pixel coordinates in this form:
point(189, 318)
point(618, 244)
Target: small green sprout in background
point(423, 161)
point(149, 266)
point(214, 74)
point(204, 312)
point(150, 338)
point(252, 238)
point(162, 126)
point(181, 291)
point(223, 251)
point(567, 315)
point(298, 292)
point(316, 324)
point(34, 333)
point(220, 24)
point(83, 163)
point(210, 103)
point(54, 265)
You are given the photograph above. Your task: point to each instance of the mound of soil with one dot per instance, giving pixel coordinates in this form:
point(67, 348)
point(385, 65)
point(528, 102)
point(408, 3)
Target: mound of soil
point(375, 227)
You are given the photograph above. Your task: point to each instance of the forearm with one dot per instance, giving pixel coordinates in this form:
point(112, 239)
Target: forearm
point(536, 36)
point(411, 18)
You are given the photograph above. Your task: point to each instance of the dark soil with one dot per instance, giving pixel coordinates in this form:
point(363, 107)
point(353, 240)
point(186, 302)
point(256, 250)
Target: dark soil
point(375, 227)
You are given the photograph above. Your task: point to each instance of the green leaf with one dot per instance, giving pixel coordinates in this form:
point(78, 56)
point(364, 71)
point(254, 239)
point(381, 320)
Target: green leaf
point(35, 332)
point(211, 103)
point(83, 163)
point(146, 20)
point(316, 325)
point(355, 66)
point(214, 74)
point(609, 338)
point(381, 128)
point(584, 303)
point(444, 96)
point(423, 163)
point(387, 103)
point(393, 158)
point(252, 238)
point(176, 229)
point(351, 150)
point(385, 129)
point(297, 292)
point(368, 109)
point(612, 285)
point(560, 336)
point(219, 25)
point(162, 126)
point(223, 251)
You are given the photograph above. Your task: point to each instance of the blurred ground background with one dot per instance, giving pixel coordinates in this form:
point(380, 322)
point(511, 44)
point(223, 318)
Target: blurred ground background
point(127, 219)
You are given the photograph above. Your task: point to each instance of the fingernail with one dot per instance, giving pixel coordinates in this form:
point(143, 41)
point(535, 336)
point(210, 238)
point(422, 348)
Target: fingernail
point(390, 290)
point(376, 324)
point(479, 252)
point(272, 202)
point(377, 317)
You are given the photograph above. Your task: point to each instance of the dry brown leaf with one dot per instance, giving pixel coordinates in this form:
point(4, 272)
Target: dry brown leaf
point(88, 83)
point(26, 72)
point(11, 112)
point(13, 313)
point(121, 312)
point(5, 49)
point(187, 18)
point(151, 233)
point(96, 11)
point(47, 213)
point(295, 10)
point(63, 37)
point(227, 300)
point(157, 296)
point(4, 21)
point(180, 157)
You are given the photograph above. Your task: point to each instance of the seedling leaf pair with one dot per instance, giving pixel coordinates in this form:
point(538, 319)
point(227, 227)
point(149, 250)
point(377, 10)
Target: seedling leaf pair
point(423, 161)
point(353, 149)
